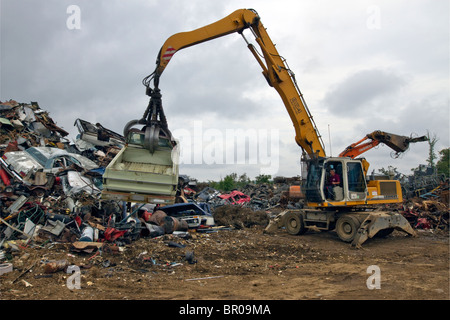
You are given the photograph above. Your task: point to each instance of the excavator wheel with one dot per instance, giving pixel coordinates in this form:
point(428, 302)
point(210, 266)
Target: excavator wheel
point(294, 223)
point(347, 227)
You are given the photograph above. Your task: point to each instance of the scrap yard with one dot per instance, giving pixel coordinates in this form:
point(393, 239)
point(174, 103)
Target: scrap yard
point(53, 229)
point(108, 215)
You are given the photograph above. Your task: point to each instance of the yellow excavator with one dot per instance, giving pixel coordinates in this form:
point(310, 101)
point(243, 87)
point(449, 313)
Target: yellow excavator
point(349, 207)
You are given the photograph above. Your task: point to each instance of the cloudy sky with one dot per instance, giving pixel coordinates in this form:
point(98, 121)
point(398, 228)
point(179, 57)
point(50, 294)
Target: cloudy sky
point(361, 66)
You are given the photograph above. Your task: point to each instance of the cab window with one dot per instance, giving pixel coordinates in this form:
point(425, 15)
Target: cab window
point(355, 175)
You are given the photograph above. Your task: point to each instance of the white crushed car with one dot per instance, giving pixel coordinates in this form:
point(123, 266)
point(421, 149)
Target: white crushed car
point(21, 163)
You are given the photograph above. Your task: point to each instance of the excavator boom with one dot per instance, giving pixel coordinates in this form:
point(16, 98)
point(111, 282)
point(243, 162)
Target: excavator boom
point(274, 68)
point(396, 142)
point(235, 22)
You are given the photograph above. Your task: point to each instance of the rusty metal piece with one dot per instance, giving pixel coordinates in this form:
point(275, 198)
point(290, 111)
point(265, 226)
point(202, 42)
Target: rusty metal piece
point(55, 266)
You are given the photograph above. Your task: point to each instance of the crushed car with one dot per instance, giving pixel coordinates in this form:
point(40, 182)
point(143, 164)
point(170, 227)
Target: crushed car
point(235, 197)
point(197, 215)
point(98, 135)
point(20, 164)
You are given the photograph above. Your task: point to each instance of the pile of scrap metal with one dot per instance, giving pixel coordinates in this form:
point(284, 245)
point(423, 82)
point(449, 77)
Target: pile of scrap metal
point(216, 199)
point(97, 142)
point(421, 182)
point(187, 188)
point(50, 189)
point(30, 123)
point(36, 154)
point(429, 211)
point(283, 192)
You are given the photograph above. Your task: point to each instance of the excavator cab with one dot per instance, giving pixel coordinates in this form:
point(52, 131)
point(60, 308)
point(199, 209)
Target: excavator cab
point(350, 184)
point(349, 206)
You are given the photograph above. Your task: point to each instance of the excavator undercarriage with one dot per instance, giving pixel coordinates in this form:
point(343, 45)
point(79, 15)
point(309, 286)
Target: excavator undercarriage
point(352, 227)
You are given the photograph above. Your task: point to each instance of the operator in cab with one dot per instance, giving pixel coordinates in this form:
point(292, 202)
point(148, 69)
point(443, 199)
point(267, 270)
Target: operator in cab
point(334, 180)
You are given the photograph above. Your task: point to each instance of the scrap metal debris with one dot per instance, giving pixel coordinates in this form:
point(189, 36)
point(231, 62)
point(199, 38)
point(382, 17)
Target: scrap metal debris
point(51, 187)
point(50, 193)
point(429, 211)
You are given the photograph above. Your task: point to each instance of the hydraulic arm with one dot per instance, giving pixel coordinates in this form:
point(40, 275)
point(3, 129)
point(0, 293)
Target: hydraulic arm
point(396, 142)
point(275, 70)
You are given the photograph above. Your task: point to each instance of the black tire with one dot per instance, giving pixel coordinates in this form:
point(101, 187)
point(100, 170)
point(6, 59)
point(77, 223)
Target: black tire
point(294, 223)
point(346, 227)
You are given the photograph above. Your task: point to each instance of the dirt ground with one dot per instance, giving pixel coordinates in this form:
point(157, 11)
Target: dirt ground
point(238, 264)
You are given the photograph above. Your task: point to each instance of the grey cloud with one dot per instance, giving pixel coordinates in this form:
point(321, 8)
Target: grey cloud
point(100, 67)
point(212, 78)
point(415, 118)
point(91, 71)
point(356, 94)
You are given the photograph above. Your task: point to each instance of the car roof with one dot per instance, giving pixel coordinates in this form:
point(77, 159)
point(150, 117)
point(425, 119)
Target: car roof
point(42, 154)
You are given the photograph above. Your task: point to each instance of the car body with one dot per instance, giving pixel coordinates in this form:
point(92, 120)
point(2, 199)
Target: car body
point(196, 215)
point(47, 159)
point(235, 197)
point(98, 135)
